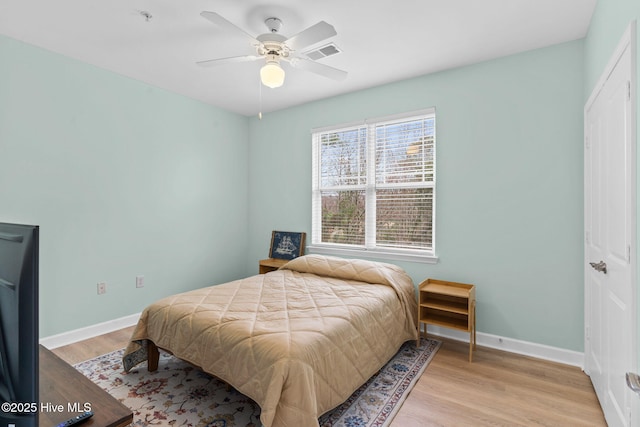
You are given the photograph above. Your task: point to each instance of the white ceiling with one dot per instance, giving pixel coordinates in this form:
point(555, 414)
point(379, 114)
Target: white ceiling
point(381, 40)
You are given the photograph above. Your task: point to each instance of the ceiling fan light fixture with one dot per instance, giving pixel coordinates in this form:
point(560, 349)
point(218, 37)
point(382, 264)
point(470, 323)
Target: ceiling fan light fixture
point(272, 75)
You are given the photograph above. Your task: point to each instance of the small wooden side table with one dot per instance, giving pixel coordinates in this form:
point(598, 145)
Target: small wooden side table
point(448, 304)
point(271, 264)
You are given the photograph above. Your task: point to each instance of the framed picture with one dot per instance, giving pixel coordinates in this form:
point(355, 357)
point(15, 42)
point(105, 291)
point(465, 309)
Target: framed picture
point(286, 244)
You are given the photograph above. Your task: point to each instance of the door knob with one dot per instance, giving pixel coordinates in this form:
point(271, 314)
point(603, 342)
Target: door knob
point(633, 381)
point(599, 266)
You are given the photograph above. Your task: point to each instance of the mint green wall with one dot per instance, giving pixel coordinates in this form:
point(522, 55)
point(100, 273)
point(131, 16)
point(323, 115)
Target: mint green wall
point(509, 183)
point(124, 179)
point(128, 179)
point(609, 22)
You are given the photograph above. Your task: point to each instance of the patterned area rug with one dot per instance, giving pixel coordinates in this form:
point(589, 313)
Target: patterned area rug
point(178, 394)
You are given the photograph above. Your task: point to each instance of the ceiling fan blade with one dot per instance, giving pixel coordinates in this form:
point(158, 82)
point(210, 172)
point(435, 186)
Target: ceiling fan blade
point(316, 67)
point(228, 60)
point(312, 35)
point(229, 26)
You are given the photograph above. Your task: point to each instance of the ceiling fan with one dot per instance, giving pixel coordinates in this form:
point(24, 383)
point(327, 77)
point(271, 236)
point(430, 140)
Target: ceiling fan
point(274, 47)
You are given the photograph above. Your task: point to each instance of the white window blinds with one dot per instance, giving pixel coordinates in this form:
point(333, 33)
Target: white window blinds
point(374, 184)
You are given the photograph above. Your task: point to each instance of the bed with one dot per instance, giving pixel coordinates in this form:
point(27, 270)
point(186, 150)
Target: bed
point(298, 341)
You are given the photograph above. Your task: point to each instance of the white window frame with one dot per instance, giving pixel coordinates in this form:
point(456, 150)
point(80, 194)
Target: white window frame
point(369, 250)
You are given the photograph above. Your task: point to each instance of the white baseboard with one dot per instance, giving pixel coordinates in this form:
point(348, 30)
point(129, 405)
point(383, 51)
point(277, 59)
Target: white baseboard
point(540, 351)
point(87, 332)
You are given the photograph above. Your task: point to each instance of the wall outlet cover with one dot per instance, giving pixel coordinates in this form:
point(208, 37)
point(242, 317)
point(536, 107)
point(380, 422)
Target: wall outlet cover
point(102, 288)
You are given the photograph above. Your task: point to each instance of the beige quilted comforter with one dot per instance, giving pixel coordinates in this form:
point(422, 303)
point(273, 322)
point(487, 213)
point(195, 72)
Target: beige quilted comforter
point(298, 341)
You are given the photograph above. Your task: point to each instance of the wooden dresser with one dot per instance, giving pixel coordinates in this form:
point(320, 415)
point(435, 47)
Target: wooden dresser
point(63, 387)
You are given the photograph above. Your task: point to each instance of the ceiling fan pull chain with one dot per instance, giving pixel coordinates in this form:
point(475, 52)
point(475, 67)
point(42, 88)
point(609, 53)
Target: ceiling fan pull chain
point(260, 99)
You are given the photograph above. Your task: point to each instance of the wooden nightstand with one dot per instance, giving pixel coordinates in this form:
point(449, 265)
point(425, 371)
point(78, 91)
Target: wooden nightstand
point(271, 264)
point(448, 304)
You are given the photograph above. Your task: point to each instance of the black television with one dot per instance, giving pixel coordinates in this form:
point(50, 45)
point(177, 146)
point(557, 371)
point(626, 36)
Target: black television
point(19, 350)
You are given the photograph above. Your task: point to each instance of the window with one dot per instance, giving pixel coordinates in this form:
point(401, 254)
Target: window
point(374, 187)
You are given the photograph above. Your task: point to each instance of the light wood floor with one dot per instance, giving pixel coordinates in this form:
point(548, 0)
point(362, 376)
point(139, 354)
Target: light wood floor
point(497, 389)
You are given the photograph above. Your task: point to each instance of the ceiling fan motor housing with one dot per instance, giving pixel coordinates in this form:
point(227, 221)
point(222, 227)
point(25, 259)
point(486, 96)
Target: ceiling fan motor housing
point(272, 44)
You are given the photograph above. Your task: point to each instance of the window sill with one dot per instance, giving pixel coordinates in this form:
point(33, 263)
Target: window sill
point(380, 254)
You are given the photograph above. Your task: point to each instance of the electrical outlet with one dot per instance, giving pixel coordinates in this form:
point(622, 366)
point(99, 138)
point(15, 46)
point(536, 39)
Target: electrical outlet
point(102, 288)
point(139, 281)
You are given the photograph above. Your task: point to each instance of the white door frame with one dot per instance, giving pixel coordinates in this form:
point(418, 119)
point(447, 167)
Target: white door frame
point(628, 41)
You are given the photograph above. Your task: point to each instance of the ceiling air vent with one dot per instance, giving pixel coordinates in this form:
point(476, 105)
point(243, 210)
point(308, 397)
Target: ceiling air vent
point(322, 52)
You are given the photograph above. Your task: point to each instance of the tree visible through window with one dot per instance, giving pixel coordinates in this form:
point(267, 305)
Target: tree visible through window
point(374, 184)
